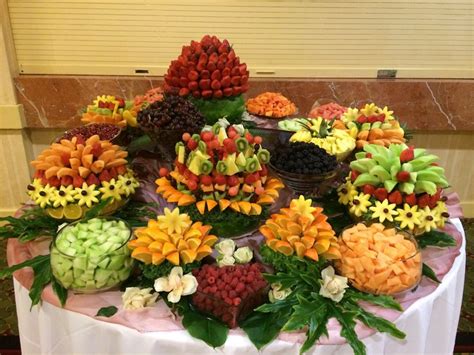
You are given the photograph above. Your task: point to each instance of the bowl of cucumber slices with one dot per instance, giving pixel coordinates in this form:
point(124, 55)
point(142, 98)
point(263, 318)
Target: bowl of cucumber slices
point(89, 256)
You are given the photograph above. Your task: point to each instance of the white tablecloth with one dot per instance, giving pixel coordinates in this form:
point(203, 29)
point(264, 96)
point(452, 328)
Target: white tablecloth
point(430, 324)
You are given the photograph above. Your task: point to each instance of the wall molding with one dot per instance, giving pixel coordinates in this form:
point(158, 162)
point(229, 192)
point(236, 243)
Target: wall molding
point(12, 117)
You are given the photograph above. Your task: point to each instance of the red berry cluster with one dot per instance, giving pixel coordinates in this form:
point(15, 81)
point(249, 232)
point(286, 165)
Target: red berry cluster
point(230, 292)
point(111, 105)
point(371, 119)
point(207, 69)
point(106, 131)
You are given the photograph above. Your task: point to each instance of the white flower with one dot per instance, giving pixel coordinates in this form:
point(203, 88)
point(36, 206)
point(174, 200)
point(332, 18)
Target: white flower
point(332, 286)
point(223, 122)
point(225, 260)
point(240, 129)
point(136, 298)
point(226, 247)
point(176, 284)
point(277, 293)
point(207, 128)
point(243, 255)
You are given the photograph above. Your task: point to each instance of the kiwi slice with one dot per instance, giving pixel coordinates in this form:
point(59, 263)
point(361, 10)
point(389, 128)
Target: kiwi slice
point(176, 147)
point(221, 167)
point(216, 128)
point(263, 155)
point(252, 164)
point(202, 146)
point(196, 137)
point(206, 167)
point(242, 144)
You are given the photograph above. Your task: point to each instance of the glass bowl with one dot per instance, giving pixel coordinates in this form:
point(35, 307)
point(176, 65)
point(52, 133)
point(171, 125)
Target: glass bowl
point(391, 265)
point(93, 269)
point(90, 129)
point(306, 184)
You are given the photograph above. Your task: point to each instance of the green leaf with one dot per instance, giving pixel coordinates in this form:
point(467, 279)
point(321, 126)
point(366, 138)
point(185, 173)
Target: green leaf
point(262, 328)
point(107, 311)
point(429, 273)
point(286, 280)
point(346, 320)
point(95, 211)
point(317, 327)
point(383, 301)
point(209, 330)
point(38, 260)
point(278, 306)
point(59, 290)
point(435, 238)
point(303, 313)
point(380, 324)
point(42, 277)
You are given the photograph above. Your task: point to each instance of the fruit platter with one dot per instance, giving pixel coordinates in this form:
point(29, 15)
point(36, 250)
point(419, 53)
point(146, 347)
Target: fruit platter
point(318, 232)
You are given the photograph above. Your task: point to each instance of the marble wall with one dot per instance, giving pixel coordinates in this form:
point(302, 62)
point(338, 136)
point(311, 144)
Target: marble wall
point(436, 105)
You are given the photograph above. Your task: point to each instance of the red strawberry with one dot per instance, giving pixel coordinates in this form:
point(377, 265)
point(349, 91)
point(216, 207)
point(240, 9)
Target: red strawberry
point(229, 145)
point(181, 167)
point(105, 175)
point(250, 179)
point(264, 171)
point(77, 181)
point(249, 137)
point(121, 169)
point(423, 200)
point(372, 119)
point(66, 180)
point(434, 199)
point(232, 132)
point(407, 155)
point(217, 94)
point(361, 119)
point(216, 75)
point(54, 181)
point(205, 84)
point(193, 85)
point(411, 199)
point(183, 92)
point(163, 172)
point(206, 180)
point(403, 176)
point(92, 180)
point(227, 91)
point(219, 179)
point(196, 94)
point(207, 94)
point(354, 175)
point(395, 197)
point(207, 136)
point(192, 144)
point(233, 181)
point(381, 193)
point(215, 85)
point(368, 189)
point(113, 173)
point(192, 185)
point(39, 174)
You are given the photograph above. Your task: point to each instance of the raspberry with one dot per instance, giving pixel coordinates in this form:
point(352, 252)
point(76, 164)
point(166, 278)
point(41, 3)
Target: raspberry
point(240, 287)
point(211, 280)
point(236, 301)
point(232, 294)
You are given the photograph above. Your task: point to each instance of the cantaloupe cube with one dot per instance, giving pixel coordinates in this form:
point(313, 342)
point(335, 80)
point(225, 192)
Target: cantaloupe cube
point(391, 252)
point(367, 263)
point(382, 276)
point(390, 232)
point(393, 281)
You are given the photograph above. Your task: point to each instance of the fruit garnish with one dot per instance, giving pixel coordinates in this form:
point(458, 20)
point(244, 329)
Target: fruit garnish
point(172, 237)
point(328, 111)
point(271, 104)
point(293, 231)
point(112, 110)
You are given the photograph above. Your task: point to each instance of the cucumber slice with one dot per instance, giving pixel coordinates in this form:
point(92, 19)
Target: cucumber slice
point(104, 263)
point(116, 262)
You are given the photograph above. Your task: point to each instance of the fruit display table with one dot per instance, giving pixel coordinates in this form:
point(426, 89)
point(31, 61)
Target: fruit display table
point(429, 320)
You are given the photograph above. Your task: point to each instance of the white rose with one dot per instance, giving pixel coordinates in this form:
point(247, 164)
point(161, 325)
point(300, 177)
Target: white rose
point(226, 247)
point(176, 284)
point(223, 122)
point(277, 294)
point(225, 260)
point(243, 255)
point(135, 298)
point(332, 286)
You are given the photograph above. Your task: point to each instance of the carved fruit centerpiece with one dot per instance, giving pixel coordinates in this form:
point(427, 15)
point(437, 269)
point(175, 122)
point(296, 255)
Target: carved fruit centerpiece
point(73, 175)
point(111, 109)
point(218, 174)
point(209, 72)
point(400, 185)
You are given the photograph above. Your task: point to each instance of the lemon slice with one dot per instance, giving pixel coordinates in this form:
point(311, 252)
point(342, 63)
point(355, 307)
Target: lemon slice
point(56, 213)
point(73, 212)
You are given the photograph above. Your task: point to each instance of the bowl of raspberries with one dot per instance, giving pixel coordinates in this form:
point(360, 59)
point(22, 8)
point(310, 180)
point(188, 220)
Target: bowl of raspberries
point(304, 167)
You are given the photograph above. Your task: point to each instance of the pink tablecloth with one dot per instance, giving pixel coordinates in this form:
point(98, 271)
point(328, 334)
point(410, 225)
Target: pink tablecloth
point(159, 318)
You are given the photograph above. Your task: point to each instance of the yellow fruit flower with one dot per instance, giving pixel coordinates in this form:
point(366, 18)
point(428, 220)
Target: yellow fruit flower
point(350, 115)
point(296, 231)
point(173, 221)
point(301, 136)
point(63, 196)
point(346, 193)
point(34, 188)
point(428, 219)
point(44, 196)
point(369, 110)
point(86, 195)
point(383, 211)
point(408, 216)
point(110, 189)
point(127, 183)
point(388, 114)
point(359, 204)
point(158, 242)
point(441, 212)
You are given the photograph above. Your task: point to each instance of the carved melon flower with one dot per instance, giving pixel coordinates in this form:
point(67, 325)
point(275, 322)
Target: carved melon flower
point(34, 188)
point(63, 196)
point(350, 115)
point(428, 219)
point(303, 206)
point(388, 114)
point(346, 193)
point(176, 284)
point(359, 204)
point(408, 216)
point(173, 221)
point(135, 298)
point(111, 189)
point(44, 195)
point(332, 286)
point(86, 195)
point(383, 211)
point(369, 110)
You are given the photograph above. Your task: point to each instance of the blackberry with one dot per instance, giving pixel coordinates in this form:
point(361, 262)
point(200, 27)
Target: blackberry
point(173, 113)
point(303, 158)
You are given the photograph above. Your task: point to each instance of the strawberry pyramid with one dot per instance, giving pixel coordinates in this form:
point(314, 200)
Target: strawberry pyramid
point(210, 72)
point(224, 167)
point(73, 175)
point(398, 184)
